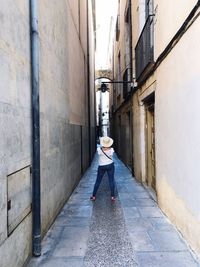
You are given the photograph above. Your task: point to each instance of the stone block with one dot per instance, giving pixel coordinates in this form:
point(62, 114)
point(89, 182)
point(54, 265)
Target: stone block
point(130, 213)
point(73, 242)
point(140, 241)
point(153, 212)
point(61, 262)
point(167, 241)
point(166, 259)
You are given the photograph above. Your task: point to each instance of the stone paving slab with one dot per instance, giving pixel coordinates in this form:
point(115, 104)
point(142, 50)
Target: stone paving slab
point(150, 212)
point(62, 262)
point(73, 242)
point(167, 240)
point(131, 232)
point(166, 259)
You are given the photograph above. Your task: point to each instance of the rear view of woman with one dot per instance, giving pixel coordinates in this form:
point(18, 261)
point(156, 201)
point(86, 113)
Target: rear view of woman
point(106, 164)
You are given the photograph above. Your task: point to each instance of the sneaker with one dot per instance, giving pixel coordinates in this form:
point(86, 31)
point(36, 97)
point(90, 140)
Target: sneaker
point(113, 199)
point(93, 198)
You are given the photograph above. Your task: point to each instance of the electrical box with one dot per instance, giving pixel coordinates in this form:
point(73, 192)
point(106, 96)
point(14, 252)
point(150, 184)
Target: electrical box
point(19, 197)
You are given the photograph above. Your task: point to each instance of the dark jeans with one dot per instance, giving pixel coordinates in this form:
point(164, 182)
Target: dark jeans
point(110, 169)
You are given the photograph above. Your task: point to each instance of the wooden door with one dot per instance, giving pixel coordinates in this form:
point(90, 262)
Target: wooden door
point(150, 142)
point(128, 138)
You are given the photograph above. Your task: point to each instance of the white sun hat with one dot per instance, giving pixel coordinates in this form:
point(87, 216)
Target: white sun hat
point(106, 141)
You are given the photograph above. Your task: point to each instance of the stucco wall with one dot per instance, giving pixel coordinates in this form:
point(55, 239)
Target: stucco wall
point(15, 122)
point(176, 85)
point(169, 16)
point(92, 93)
point(139, 127)
point(177, 135)
point(177, 111)
point(138, 19)
point(63, 103)
point(138, 138)
point(119, 52)
point(63, 112)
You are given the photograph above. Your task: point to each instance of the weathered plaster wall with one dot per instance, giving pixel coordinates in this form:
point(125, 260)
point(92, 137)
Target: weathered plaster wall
point(15, 249)
point(177, 129)
point(92, 95)
point(139, 125)
point(122, 133)
point(138, 19)
point(177, 135)
point(176, 84)
point(63, 102)
point(15, 122)
point(63, 113)
point(119, 55)
point(138, 138)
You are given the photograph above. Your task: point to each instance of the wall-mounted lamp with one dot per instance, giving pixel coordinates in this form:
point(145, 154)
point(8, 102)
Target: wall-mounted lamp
point(104, 87)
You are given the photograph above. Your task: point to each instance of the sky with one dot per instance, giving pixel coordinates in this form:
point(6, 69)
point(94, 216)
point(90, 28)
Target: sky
point(106, 11)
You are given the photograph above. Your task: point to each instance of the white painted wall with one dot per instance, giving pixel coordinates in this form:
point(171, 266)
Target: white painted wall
point(177, 120)
point(178, 134)
point(169, 16)
point(177, 109)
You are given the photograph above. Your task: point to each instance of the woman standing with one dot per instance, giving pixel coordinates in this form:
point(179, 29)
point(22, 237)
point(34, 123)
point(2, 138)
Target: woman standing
point(106, 164)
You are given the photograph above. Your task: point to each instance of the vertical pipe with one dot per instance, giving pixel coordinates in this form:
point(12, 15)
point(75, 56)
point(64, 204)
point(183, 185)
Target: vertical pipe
point(35, 128)
point(131, 40)
point(100, 115)
point(113, 95)
point(132, 79)
point(88, 79)
point(81, 137)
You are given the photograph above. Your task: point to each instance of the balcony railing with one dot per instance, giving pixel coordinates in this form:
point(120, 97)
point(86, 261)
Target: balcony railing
point(144, 48)
point(126, 84)
point(117, 28)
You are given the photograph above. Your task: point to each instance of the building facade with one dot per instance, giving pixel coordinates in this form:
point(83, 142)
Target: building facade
point(162, 103)
point(67, 114)
point(123, 71)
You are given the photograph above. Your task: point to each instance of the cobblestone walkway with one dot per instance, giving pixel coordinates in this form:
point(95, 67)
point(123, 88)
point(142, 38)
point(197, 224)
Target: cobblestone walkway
point(131, 232)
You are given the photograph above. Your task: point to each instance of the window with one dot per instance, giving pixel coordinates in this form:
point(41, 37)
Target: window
point(144, 50)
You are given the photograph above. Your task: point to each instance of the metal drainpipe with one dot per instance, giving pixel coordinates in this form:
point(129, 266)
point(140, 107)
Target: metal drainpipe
point(34, 40)
point(88, 78)
point(131, 66)
point(131, 41)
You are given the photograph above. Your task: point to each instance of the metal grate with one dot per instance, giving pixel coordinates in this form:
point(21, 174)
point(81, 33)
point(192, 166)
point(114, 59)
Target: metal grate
point(144, 48)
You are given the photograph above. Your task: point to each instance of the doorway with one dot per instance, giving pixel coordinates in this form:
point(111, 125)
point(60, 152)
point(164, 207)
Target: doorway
point(128, 139)
point(150, 143)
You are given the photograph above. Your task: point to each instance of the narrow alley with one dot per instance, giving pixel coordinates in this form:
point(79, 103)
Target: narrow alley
point(74, 72)
point(130, 232)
